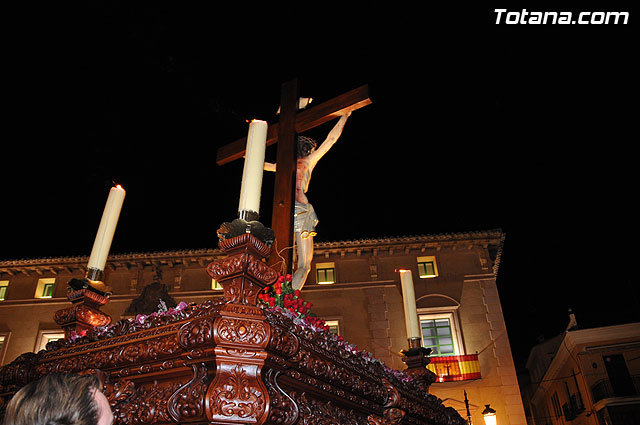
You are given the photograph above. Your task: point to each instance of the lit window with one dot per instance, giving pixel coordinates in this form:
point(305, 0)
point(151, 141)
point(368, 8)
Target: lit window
point(47, 291)
point(45, 287)
point(215, 285)
point(44, 337)
point(325, 273)
point(436, 334)
point(440, 333)
point(427, 267)
point(334, 326)
point(4, 340)
point(4, 285)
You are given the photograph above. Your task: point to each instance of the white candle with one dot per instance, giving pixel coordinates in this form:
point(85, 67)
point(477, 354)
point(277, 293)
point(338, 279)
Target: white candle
point(107, 228)
point(409, 299)
point(253, 167)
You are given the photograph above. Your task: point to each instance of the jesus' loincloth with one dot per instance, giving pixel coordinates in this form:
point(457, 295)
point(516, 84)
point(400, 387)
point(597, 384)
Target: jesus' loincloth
point(305, 220)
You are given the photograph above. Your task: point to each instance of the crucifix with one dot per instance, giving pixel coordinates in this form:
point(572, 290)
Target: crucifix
point(285, 133)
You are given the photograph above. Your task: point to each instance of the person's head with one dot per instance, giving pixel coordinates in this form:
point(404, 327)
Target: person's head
point(60, 399)
point(306, 145)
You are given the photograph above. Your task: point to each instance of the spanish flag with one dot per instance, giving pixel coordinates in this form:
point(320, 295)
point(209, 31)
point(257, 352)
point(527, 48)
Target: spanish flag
point(455, 368)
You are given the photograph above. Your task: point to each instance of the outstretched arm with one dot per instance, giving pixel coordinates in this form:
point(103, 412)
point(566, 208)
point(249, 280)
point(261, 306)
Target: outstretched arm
point(332, 138)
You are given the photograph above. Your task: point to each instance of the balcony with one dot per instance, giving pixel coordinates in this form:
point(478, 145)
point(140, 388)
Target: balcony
point(455, 368)
point(626, 387)
point(573, 408)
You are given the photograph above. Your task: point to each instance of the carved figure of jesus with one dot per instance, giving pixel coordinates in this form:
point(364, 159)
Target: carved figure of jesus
point(305, 219)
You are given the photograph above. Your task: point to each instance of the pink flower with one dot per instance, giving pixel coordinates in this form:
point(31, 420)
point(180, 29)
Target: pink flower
point(73, 335)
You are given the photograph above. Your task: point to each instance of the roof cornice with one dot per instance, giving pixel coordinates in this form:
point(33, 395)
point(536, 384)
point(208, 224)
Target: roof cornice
point(494, 237)
point(479, 238)
point(131, 256)
point(497, 234)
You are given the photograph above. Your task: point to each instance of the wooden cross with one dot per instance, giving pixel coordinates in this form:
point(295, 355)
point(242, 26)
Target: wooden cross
point(284, 133)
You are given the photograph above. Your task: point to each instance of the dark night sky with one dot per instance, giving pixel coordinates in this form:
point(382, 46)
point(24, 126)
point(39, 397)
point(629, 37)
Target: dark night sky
point(473, 126)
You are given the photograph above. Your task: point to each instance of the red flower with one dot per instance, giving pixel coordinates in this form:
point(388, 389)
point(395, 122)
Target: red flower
point(278, 290)
point(296, 292)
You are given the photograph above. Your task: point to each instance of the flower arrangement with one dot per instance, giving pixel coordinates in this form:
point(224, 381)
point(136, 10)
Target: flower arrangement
point(282, 297)
point(162, 311)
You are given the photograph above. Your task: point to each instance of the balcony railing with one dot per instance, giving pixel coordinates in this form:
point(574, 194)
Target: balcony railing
point(573, 408)
point(455, 368)
point(603, 389)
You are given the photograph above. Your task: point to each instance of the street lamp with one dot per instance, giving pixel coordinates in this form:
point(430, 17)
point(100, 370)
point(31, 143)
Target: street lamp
point(489, 415)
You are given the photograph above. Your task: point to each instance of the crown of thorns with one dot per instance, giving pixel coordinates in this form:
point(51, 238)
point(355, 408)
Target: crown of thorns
point(305, 146)
point(307, 141)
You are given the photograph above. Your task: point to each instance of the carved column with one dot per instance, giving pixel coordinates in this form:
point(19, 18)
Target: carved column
point(84, 314)
point(241, 333)
point(417, 360)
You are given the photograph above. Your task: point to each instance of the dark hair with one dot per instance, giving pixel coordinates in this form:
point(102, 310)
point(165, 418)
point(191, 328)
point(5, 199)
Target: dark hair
point(305, 146)
point(56, 399)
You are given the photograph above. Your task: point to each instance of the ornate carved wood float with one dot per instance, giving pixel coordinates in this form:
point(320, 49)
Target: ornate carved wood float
point(233, 362)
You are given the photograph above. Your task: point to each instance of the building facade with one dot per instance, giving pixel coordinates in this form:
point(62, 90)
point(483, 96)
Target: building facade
point(354, 287)
point(587, 377)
